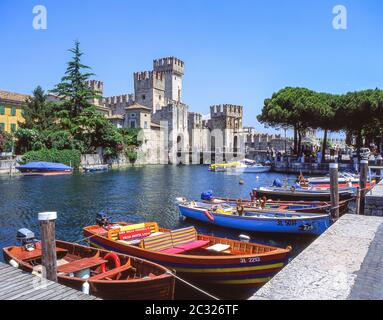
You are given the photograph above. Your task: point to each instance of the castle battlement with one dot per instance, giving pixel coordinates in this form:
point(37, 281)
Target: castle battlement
point(148, 80)
point(124, 98)
point(169, 64)
point(228, 110)
point(96, 85)
point(148, 75)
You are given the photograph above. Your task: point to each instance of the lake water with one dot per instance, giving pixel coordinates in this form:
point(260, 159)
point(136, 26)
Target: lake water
point(134, 195)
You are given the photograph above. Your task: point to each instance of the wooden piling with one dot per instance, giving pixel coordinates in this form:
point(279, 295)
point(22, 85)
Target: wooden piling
point(357, 209)
point(334, 191)
point(379, 163)
point(363, 184)
point(48, 244)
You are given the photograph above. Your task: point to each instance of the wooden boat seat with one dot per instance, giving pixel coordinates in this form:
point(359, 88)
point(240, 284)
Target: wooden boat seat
point(30, 255)
point(193, 245)
point(186, 239)
point(219, 247)
point(174, 242)
point(81, 264)
point(159, 242)
point(173, 251)
point(112, 272)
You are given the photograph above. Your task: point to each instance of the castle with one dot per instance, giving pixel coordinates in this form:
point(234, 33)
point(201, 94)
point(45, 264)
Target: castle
point(168, 128)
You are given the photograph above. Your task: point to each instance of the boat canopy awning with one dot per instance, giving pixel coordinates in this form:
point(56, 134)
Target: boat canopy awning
point(49, 166)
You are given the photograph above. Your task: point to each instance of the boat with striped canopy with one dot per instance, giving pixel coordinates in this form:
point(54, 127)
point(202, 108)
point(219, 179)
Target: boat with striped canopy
point(201, 259)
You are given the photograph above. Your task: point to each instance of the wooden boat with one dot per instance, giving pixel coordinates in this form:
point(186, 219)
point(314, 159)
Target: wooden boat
point(44, 169)
point(293, 193)
point(257, 202)
point(298, 206)
point(201, 259)
point(254, 168)
point(264, 220)
point(243, 166)
point(345, 180)
point(223, 167)
point(96, 168)
point(128, 278)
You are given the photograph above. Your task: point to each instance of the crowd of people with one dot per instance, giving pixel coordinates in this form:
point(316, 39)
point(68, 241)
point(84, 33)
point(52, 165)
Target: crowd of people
point(313, 154)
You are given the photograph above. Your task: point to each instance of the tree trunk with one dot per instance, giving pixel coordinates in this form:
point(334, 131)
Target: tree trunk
point(359, 143)
point(299, 142)
point(324, 147)
point(295, 140)
point(348, 138)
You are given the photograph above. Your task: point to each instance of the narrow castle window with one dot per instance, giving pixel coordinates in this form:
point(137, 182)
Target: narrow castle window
point(143, 97)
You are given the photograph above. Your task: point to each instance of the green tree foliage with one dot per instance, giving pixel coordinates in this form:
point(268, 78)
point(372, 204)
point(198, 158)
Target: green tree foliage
point(6, 141)
point(362, 114)
point(72, 122)
point(28, 139)
point(357, 113)
point(132, 155)
point(289, 107)
point(131, 136)
point(73, 91)
point(38, 113)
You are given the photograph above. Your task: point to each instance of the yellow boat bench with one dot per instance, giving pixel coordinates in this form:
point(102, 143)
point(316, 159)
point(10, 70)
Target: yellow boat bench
point(174, 242)
point(147, 236)
point(134, 233)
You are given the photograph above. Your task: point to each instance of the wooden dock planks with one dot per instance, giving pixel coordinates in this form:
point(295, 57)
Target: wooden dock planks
point(16, 284)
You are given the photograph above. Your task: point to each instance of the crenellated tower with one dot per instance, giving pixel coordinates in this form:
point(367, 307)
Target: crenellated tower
point(173, 70)
point(227, 116)
point(149, 89)
point(98, 87)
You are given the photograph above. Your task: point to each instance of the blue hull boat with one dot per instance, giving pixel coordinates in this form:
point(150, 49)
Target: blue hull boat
point(41, 168)
point(267, 222)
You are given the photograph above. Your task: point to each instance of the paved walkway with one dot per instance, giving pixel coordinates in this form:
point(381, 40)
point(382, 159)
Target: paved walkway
point(345, 263)
point(374, 201)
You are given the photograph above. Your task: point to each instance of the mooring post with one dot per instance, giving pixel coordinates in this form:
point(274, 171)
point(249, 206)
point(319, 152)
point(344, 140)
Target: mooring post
point(363, 184)
point(48, 244)
point(334, 192)
point(357, 209)
point(379, 162)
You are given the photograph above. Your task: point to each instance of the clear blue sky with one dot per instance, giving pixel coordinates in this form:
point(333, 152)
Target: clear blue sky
point(236, 52)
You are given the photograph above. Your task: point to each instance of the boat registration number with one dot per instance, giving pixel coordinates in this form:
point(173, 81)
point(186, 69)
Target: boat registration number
point(284, 223)
point(250, 260)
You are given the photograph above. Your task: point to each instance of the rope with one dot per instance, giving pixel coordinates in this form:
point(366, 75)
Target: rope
point(87, 238)
point(173, 274)
point(192, 285)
